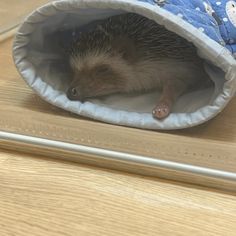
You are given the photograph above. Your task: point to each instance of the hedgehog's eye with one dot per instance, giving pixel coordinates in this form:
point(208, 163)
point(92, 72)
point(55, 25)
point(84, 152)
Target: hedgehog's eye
point(73, 91)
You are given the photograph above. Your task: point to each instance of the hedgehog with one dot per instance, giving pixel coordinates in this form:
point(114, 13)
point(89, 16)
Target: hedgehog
point(129, 53)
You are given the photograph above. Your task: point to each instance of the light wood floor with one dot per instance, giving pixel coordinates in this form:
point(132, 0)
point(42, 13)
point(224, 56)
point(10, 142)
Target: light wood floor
point(43, 197)
point(13, 11)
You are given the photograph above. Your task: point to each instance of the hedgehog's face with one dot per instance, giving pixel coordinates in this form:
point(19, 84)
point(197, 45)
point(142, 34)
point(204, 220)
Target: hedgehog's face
point(101, 71)
point(94, 81)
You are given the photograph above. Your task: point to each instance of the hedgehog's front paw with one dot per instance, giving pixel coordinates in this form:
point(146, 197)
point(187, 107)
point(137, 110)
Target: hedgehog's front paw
point(161, 111)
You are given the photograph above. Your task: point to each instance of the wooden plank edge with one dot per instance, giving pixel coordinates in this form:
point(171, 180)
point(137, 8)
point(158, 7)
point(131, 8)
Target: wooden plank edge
point(9, 33)
point(131, 163)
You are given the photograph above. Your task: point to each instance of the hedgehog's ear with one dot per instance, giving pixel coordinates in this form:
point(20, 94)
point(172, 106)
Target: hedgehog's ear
point(125, 47)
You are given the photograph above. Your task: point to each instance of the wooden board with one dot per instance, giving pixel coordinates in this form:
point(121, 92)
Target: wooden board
point(14, 11)
point(43, 197)
point(212, 145)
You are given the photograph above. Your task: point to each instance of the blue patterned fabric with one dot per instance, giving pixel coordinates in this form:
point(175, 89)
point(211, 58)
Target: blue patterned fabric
point(216, 18)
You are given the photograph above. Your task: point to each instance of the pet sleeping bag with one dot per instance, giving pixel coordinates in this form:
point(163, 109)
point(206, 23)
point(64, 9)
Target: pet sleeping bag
point(209, 25)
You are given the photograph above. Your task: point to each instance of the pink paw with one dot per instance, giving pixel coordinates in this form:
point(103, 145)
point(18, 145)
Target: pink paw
point(161, 111)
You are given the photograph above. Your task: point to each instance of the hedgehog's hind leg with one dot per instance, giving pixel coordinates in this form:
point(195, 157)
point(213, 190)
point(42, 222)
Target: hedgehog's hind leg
point(172, 89)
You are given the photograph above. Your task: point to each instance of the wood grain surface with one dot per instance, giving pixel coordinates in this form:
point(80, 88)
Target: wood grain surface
point(42, 197)
point(210, 145)
point(45, 197)
point(12, 12)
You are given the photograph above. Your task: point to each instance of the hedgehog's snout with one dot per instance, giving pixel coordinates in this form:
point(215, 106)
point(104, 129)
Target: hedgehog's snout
point(74, 94)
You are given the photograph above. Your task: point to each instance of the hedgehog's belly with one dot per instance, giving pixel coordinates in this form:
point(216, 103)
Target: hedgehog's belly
point(151, 74)
point(145, 76)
